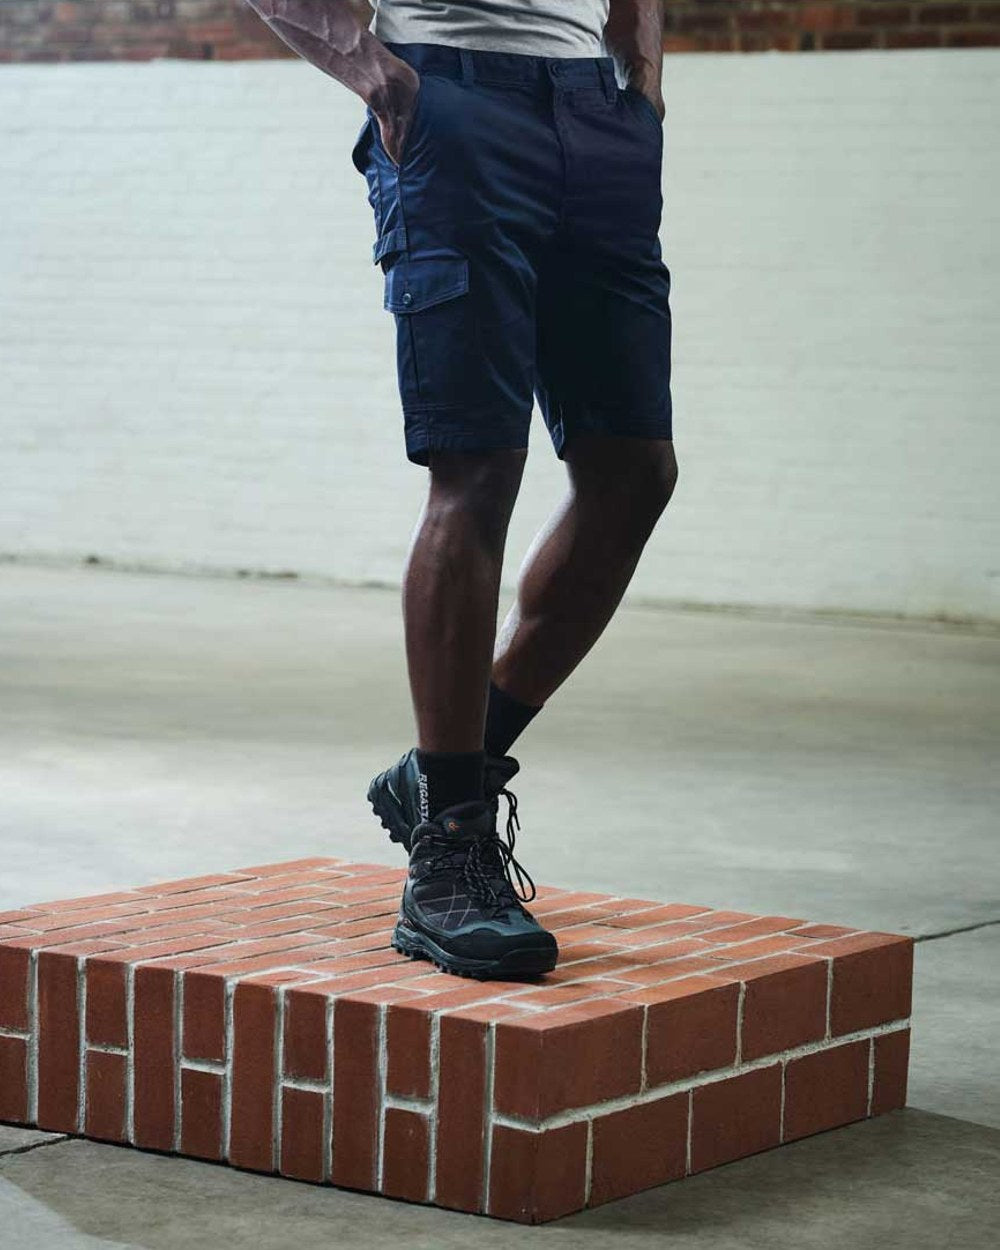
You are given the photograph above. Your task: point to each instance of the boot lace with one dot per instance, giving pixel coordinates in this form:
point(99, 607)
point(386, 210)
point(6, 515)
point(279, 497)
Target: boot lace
point(489, 868)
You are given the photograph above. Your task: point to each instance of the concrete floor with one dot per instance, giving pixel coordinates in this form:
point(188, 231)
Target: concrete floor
point(155, 726)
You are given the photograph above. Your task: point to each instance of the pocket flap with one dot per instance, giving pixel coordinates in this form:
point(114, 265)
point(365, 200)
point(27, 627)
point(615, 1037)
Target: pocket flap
point(416, 282)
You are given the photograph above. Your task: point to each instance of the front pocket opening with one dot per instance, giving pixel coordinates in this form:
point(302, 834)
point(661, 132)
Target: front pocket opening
point(646, 104)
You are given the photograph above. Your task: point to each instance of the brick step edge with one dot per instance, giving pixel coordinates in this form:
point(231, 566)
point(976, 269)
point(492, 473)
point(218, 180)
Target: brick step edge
point(450, 1147)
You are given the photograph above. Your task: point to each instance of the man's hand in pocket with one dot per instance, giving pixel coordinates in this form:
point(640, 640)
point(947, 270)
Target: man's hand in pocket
point(394, 105)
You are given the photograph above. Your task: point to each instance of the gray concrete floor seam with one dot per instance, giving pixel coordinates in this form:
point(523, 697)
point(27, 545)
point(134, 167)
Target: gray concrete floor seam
point(38, 1145)
point(946, 933)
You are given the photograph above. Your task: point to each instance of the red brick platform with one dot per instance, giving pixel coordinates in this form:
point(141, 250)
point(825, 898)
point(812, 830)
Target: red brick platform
point(260, 1017)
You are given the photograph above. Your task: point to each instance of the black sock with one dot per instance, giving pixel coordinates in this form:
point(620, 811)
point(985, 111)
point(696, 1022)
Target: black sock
point(506, 717)
point(448, 777)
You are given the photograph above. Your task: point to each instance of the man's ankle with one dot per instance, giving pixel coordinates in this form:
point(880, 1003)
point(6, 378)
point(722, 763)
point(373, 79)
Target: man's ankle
point(448, 777)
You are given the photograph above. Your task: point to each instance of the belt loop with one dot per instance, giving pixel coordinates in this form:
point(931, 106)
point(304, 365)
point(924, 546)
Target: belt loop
point(468, 71)
point(607, 72)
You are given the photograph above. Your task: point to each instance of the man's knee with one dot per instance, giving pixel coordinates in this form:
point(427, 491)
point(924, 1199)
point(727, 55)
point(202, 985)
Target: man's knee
point(660, 476)
point(635, 477)
point(476, 488)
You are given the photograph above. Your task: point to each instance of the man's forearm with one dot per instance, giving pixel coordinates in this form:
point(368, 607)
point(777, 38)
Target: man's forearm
point(333, 35)
point(633, 35)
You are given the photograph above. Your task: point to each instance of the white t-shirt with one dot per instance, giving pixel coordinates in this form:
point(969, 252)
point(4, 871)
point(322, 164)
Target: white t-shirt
point(534, 27)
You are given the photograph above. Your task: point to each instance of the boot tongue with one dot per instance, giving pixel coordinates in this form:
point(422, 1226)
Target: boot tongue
point(498, 770)
point(472, 819)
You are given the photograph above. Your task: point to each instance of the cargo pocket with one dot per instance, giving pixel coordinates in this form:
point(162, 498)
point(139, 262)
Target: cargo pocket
point(427, 291)
point(415, 282)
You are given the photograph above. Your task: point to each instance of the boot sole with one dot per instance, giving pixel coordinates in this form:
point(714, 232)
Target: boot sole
point(514, 965)
point(388, 811)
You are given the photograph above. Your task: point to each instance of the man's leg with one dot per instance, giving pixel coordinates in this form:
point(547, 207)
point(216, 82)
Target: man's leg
point(582, 560)
point(450, 597)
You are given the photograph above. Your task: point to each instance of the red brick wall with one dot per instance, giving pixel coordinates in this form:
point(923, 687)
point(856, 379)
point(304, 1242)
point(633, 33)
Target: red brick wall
point(88, 30)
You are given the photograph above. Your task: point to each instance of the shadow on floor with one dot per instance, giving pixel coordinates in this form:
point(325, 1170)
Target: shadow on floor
point(911, 1179)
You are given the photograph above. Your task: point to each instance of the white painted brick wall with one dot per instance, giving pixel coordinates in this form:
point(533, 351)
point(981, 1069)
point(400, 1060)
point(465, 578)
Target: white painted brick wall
point(196, 370)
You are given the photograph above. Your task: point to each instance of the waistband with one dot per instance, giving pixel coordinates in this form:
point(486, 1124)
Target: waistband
point(471, 65)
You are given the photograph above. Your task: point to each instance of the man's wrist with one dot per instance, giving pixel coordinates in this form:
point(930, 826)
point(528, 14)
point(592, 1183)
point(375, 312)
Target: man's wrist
point(384, 81)
point(648, 81)
point(391, 92)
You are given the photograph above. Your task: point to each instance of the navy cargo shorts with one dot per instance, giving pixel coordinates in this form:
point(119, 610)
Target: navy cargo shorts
point(519, 242)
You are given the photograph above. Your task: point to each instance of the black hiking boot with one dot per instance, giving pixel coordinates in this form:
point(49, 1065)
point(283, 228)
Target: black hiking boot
point(460, 908)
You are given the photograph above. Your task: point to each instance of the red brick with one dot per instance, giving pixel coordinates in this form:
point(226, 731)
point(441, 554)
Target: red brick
point(562, 902)
point(14, 1080)
point(127, 897)
point(464, 995)
point(872, 980)
point(107, 1023)
point(14, 966)
point(153, 1037)
point(690, 1029)
point(152, 950)
point(762, 926)
point(461, 1086)
point(568, 1057)
point(302, 1134)
point(251, 1133)
point(274, 870)
point(755, 949)
point(735, 1117)
point(385, 994)
point(537, 1176)
point(305, 1044)
point(588, 966)
point(560, 995)
point(201, 1114)
point(883, 14)
point(204, 1022)
point(821, 932)
point(703, 924)
point(972, 38)
point(405, 1155)
point(825, 16)
point(99, 919)
point(942, 14)
point(187, 885)
point(309, 923)
point(355, 1093)
point(913, 39)
point(826, 1089)
point(660, 952)
point(263, 963)
point(639, 1147)
point(892, 1056)
point(339, 986)
point(23, 914)
point(285, 977)
point(58, 1042)
point(338, 965)
point(669, 970)
point(105, 1083)
point(489, 1013)
point(848, 39)
point(784, 1005)
point(409, 1038)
